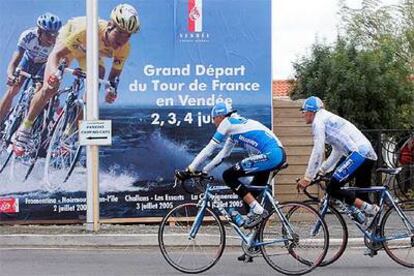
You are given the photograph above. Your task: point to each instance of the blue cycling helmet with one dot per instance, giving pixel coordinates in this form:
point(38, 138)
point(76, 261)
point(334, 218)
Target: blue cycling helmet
point(312, 104)
point(49, 22)
point(222, 109)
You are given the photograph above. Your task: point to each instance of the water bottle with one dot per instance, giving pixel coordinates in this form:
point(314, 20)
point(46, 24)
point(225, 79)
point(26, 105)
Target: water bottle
point(357, 214)
point(236, 217)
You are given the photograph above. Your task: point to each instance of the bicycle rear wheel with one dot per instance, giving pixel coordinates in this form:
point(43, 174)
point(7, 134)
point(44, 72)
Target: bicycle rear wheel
point(399, 240)
point(63, 151)
point(300, 253)
point(186, 254)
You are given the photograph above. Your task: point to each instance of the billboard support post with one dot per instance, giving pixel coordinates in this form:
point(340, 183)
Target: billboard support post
point(92, 113)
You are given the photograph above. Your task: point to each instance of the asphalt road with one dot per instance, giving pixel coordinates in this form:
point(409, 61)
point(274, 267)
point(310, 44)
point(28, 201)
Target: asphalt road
point(149, 261)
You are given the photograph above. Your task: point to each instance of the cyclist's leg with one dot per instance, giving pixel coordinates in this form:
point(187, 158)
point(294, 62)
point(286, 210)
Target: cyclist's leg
point(343, 173)
point(363, 178)
point(258, 165)
point(39, 101)
point(43, 95)
point(5, 104)
point(340, 177)
point(26, 65)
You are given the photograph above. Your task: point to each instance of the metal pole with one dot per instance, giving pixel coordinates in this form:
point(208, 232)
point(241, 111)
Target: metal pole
point(92, 113)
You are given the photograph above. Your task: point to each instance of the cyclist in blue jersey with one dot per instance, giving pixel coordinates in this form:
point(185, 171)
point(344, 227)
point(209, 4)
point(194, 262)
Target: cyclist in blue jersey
point(266, 154)
point(348, 144)
point(33, 49)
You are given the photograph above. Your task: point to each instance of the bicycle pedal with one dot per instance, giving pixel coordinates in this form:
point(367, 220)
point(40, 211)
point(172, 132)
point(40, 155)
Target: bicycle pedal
point(371, 253)
point(248, 259)
point(245, 258)
point(241, 258)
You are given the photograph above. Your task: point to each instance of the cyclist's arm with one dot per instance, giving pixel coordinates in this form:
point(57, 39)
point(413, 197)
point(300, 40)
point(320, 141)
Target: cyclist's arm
point(14, 61)
point(114, 74)
point(226, 150)
point(118, 62)
point(203, 155)
point(59, 52)
point(331, 162)
point(318, 151)
point(101, 71)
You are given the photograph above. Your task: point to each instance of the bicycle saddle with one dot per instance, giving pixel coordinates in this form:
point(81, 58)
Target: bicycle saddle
point(392, 171)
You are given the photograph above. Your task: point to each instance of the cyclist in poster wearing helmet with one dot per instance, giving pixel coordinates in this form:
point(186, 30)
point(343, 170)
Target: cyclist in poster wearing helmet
point(113, 36)
point(33, 48)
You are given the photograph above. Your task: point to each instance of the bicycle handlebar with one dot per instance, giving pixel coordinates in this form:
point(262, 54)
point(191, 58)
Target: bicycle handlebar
point(19, 72)
point(316, 181)
point(82, 75)
point(197, 176)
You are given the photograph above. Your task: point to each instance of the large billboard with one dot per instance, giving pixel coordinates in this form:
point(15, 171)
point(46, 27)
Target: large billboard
point(186, 56)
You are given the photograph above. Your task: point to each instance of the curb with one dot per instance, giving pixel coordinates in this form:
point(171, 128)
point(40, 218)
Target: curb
point(106, 240)
point(68, 240)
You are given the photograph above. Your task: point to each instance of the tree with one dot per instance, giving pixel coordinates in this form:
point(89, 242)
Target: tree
point(375, 24)
point(364, 76)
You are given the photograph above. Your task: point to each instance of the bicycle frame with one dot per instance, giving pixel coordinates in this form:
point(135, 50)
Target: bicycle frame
point(249, 238)
point(385, 196)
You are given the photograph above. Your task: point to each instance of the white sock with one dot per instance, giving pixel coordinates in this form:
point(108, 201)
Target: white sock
point(256, 207)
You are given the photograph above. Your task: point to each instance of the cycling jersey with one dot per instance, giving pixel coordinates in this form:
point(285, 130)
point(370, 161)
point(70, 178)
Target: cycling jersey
point(29, 42)
point(343, 136)
point(73, 36)
point(29, 66)
point(257, 139)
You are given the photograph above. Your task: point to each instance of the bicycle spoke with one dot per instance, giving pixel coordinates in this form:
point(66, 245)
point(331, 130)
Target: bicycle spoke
point(63, 151)
point(399, 243)
point(191, 255)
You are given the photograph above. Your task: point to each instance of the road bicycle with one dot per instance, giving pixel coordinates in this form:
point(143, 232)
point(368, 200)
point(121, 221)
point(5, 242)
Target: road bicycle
point(64, 150)
point(36, 146)
point(391, 229)
point(15, 115)
point(192, 235)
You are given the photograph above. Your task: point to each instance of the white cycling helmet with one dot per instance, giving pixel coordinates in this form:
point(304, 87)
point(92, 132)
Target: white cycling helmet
point(126, 18)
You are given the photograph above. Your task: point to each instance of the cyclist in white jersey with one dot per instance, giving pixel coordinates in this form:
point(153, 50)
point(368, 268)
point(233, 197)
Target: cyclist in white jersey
point(33, 49)
point(348, 144)
point(266, 154)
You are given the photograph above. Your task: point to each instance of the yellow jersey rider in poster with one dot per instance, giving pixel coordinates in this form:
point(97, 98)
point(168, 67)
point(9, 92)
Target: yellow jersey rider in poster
point(114, 43)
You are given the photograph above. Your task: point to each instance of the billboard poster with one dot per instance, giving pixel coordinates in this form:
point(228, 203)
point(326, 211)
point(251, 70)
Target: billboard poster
point(185, 56)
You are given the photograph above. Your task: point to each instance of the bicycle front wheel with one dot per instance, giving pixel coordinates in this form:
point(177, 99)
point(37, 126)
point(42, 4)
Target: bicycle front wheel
point(297, 243)
point(338, 233)
point(64, 149)
point(191, 254)
point(399, 239)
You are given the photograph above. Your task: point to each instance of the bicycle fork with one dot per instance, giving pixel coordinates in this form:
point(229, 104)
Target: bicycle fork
point(323, 209)
point(199, 217)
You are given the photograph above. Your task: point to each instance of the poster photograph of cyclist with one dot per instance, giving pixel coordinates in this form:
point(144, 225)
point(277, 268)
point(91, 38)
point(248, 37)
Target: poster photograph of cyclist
point(164, 70)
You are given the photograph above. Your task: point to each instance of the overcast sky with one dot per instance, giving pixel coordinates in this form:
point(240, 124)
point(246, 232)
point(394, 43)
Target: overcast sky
point(296, 24)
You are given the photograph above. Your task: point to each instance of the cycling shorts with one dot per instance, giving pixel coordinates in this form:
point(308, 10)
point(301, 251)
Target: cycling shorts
point(263, 162)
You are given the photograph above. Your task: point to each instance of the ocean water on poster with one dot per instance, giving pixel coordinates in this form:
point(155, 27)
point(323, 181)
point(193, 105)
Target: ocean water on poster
point(143, 155)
